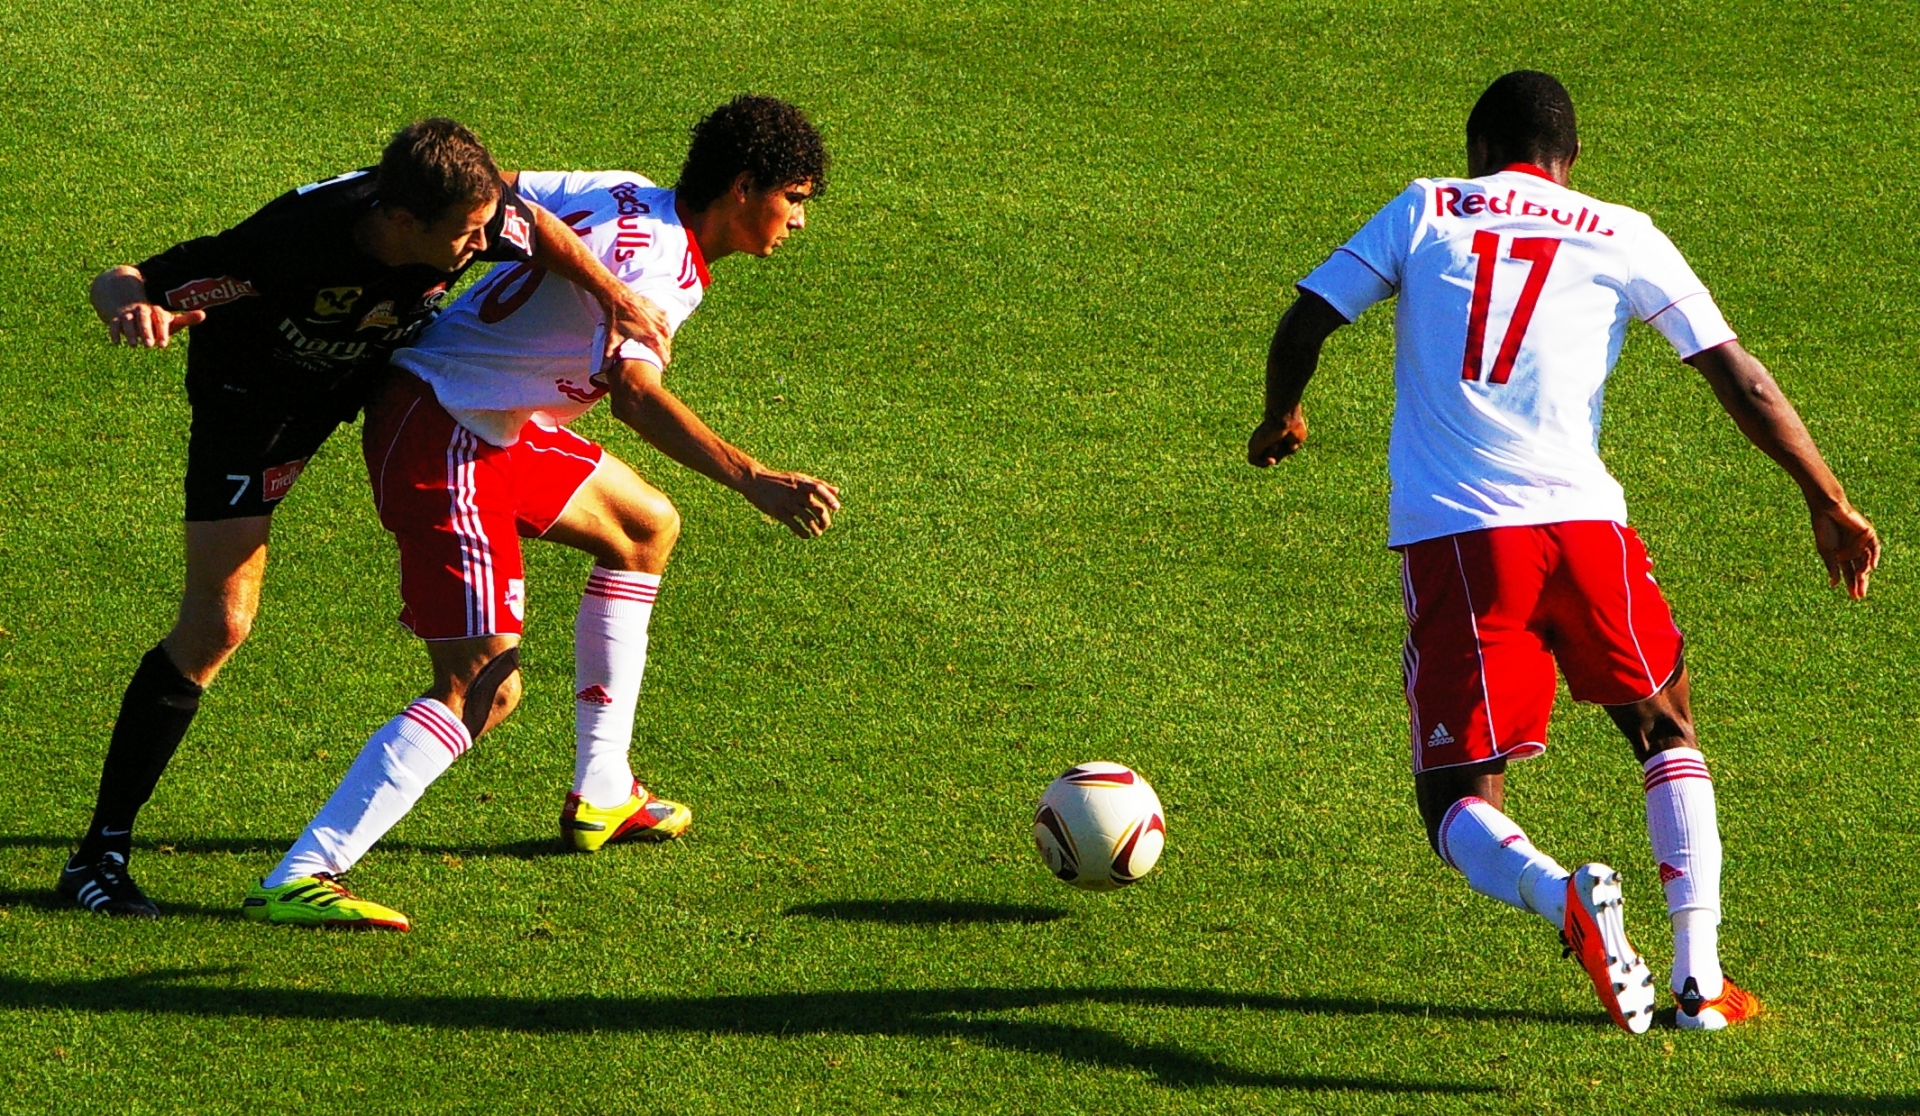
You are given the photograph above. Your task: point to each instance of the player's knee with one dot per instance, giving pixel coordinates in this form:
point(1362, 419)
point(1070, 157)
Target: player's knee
point(506, 699)
point(1668, 730)
point(492, 693)
point(659, 523)
point(652, 529)
point(203, 642)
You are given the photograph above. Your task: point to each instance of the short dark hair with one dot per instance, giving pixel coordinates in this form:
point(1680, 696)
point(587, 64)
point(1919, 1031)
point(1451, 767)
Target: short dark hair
point(1525, 117)
point(432, 165)
point(765, 137)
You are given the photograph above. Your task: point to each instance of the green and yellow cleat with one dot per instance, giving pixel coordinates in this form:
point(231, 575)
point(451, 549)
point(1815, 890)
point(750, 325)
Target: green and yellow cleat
point(322, 901)
point(642, 817)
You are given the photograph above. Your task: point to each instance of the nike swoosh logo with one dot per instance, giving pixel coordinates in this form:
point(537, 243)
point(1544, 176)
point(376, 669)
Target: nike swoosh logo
point(115, 832)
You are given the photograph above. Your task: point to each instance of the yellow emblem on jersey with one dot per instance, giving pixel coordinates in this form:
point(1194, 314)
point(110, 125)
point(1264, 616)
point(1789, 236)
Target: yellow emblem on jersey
point(335, 300)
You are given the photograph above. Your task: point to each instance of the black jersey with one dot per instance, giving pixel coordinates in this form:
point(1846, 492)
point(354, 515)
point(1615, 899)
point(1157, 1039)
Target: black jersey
point(299, 319)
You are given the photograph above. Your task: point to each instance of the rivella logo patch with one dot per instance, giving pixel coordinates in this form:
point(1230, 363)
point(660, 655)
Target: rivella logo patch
point(204, 293)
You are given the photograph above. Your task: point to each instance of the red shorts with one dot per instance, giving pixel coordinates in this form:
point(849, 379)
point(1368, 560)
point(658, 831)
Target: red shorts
point(459, 506)
point(1490, 612)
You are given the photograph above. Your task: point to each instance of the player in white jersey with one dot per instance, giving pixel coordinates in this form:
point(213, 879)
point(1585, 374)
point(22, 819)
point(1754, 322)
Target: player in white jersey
point(1513, 296)
point(467, 452)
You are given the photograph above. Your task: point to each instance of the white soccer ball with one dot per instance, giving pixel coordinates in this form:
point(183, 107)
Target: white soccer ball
point(1100, 827)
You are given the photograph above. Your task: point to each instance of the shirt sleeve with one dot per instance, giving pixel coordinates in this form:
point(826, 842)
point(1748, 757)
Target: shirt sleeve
point(1368, 268)
point(1666, 294)
point(634, 350)
point(511, 233)
point(207, 271)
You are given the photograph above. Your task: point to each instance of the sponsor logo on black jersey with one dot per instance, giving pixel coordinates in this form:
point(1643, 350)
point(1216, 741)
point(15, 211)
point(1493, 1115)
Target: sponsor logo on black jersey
point(434, 297)
point(203, 293)
point(515, 231)
point(334, 301)
point(380, 317)
point(320, 348)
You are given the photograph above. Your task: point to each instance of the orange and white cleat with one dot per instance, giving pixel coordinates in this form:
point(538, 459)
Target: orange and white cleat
point(1596, 935)
point(642, 817)
point(1694, 1012)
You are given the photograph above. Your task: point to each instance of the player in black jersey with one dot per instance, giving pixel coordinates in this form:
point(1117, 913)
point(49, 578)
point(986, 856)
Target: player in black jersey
point(294, 312)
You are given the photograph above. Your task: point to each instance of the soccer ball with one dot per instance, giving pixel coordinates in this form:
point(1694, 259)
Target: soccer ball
point(1100, 827)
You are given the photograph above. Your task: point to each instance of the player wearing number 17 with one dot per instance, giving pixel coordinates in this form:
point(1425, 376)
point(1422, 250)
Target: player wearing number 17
point(1514, 294)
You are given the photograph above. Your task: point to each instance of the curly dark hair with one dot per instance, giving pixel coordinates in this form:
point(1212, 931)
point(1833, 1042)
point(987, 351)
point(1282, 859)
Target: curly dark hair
point(432, 165)
point(767, 138)
point(1525, 116)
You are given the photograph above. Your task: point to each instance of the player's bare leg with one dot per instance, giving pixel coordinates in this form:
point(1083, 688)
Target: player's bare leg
point(1684, 830)
point(630, 528)
point(472, 675)
point(624, 522)
point(225, 563)
point(1462, 809)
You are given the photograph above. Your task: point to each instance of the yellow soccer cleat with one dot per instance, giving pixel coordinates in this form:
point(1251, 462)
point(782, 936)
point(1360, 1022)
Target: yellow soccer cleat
point(642, 817)
point(321, 901)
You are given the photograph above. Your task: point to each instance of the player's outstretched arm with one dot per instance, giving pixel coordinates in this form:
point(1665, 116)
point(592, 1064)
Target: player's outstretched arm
point(1846, 541)
point(119, 296)
point(805, 504)
point(556, 248)
point(1291, 361)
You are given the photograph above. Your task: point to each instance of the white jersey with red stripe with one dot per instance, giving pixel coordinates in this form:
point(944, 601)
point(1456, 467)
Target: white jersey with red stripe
point(523, 346)
point(1514, 296)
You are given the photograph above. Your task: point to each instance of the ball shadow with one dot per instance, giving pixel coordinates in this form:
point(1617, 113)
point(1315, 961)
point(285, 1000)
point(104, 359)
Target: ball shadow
point(925, 912)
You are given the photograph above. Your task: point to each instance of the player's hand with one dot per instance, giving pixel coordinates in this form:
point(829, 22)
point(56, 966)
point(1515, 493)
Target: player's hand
point(631, 316)
point(1274, 439)
point(1848, 545)
point(143, 325)
point(805, 504)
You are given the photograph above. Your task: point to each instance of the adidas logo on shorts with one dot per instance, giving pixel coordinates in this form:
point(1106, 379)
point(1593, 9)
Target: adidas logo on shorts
point(1439, 737)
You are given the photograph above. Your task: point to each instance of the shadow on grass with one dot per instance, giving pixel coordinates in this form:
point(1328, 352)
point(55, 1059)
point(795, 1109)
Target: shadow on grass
point(931, 1013)
point(1810, 1103)
point(50, 900)
point(924, 912)
point(530, 849)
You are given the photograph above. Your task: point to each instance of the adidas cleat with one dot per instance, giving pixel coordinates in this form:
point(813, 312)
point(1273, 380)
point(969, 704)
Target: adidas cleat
point(642, 817)
point(1694, 1012)
point(322, 901)
point(1596, 935)
point(105, 887)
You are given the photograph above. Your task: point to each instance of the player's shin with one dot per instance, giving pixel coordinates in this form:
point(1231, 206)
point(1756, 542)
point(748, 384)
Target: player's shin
point(610, 656)
point(1486, 847)
point(1685, 832)
point(390, 774)
point(155, 712)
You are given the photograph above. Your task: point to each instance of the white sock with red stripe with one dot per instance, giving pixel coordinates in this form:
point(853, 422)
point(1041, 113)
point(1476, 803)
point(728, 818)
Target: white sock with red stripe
point(609, 657)
point(1684, 829)
point(389, 775)
point(1484, 845)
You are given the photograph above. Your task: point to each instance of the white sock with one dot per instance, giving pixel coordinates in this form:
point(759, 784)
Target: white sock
point(1685, 833)
point(609, 657)
point(390, 774)
point(1484, 845)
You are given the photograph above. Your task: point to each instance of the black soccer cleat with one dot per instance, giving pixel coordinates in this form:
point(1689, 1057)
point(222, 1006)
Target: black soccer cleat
point(104, 887)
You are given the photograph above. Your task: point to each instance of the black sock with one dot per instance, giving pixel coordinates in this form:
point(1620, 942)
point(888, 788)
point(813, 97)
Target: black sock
point(159, 705)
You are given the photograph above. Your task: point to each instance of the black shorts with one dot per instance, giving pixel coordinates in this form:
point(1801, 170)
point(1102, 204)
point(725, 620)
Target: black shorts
point(243, 456)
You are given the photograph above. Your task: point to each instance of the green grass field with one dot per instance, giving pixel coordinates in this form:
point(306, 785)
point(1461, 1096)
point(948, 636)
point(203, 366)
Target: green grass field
point(1024, 331)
